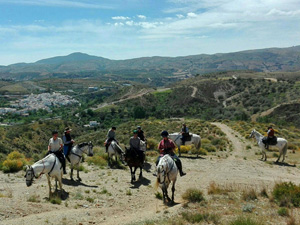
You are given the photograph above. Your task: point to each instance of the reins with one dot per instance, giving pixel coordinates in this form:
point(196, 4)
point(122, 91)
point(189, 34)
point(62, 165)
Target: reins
point(166, 174)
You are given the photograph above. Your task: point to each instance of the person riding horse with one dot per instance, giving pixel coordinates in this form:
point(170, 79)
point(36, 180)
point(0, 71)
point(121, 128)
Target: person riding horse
point(68, 142)
point(167, 146)
point(135, 145)
point(271, 134)
point(184, 133)
point(140, 133)
point(111, 136)
point(55, 146)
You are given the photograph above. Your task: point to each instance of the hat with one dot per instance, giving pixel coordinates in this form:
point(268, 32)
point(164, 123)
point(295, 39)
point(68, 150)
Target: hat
point(54, 132)
point(135, 131)
point(114, 128)
point(68, 129)
point(164, 133)
point(138, 127)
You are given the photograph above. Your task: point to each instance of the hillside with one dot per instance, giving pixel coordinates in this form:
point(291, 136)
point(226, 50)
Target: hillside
point(266, 60)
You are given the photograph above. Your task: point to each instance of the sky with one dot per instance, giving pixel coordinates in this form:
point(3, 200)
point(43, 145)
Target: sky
point(31, 30)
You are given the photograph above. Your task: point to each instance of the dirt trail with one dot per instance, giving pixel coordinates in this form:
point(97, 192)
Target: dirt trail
point(195, 89)
point(116, 201)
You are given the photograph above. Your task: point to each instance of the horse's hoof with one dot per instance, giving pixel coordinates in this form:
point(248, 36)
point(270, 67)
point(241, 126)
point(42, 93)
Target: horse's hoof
point(79, 179)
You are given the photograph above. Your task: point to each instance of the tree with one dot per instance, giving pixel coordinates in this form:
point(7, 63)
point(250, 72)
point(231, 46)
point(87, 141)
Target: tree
point(139, 112)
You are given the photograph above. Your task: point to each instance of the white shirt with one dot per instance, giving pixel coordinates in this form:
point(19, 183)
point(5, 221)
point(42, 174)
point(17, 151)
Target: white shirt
point(55, 145)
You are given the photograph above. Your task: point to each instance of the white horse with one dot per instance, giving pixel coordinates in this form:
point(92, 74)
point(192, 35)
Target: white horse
point(51, 166)
point(75, 156)
point(166, 173)
point(115, 150)
point(281, 145)
point(195, 139)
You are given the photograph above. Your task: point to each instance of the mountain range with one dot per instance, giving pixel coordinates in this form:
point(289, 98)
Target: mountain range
point(263, 60)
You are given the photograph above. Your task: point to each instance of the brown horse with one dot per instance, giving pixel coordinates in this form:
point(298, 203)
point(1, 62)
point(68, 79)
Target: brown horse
point(133, 160)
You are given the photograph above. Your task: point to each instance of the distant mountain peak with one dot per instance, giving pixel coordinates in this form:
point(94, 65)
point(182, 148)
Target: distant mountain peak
point(73, 57)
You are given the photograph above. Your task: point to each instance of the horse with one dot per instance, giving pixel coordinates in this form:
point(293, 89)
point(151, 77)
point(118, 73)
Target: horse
point(115, 150)
point(51, 166)
point(166, 173)
point(281, 145)
point(133, 160)
point(195, 139)
point(76, 153)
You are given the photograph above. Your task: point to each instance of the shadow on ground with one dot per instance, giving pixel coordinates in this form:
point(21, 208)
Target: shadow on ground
point(76, 183)
point(284, 164)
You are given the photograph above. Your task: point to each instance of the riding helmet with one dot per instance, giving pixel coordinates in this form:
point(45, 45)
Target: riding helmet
point(164, 133)
point(54, 132)
point(114, 128)
point(138, 127)
point(135, 131)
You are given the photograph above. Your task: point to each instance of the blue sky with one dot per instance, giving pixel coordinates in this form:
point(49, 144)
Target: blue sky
point(120, 29)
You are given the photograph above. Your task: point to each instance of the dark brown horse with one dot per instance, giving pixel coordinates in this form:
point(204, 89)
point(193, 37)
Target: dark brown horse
point(134, 160)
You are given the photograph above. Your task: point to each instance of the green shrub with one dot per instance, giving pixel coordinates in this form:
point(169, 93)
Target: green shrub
point(158, 195)
point(89, 199)
point(249, 195)
point(287, 194)
point(55, 200)
point(97, 160)
point(193, 195)
point(198, 217)
point(283, 211)
point(152, 144)
point(245, 221)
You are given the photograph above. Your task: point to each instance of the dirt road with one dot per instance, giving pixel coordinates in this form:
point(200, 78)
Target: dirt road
point(106, 196)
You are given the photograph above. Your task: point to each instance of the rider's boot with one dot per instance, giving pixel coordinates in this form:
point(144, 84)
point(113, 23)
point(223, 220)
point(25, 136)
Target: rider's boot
point(179, 166)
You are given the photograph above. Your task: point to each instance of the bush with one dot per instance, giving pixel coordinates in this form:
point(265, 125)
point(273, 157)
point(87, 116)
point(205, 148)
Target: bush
point(244, 221)
point(97, 160)
point(152, 144)
point(249, 195)
point(193, 195)
point(287, 194)
point(14, 162)
point(283, 211)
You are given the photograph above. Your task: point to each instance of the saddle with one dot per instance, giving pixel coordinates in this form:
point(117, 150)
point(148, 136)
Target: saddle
point(270, 141)
point(187, 136)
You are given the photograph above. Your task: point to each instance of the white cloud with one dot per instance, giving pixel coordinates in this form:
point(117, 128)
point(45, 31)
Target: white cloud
point(191, 15)
point(141, 17)
point(180, 16)
point(129, 23)
point(120, 18)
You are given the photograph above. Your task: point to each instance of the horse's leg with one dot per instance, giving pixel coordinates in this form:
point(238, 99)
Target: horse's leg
point(173, 190)
point(49, 184)
point(131, 173)
point(71, 174)
point(166, 189)
point(55, 184)
point(141, 173)
point(134, 173)
point(78, 173)
point(279, 157)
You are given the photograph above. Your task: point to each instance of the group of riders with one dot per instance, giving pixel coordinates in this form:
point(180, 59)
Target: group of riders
point(62, 147)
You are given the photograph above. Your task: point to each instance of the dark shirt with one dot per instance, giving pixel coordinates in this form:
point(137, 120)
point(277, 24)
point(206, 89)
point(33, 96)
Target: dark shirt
point(141, 135)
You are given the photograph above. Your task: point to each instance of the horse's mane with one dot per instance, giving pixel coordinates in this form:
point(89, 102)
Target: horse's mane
point(82, 144)
point(46, 157)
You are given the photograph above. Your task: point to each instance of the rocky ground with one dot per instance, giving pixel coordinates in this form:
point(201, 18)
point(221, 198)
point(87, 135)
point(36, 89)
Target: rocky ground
point(106, 196)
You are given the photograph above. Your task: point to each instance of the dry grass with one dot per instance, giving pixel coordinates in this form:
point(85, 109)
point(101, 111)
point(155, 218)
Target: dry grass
point(214, 189)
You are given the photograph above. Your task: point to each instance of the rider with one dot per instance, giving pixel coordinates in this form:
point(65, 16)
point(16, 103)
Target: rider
point(68, 142)
point(167, 146)
point(140, 133)
point(184, 133)
point(135, 145)
point(270, 137)
point(55, 146)
point(111, 136)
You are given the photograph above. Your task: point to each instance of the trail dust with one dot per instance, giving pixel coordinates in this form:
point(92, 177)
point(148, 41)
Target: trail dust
point(106, 196)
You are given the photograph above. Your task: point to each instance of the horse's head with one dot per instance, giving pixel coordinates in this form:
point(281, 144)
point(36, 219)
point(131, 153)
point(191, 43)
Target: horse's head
point(252, 133)
point(87, 147)
point(29, 175)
